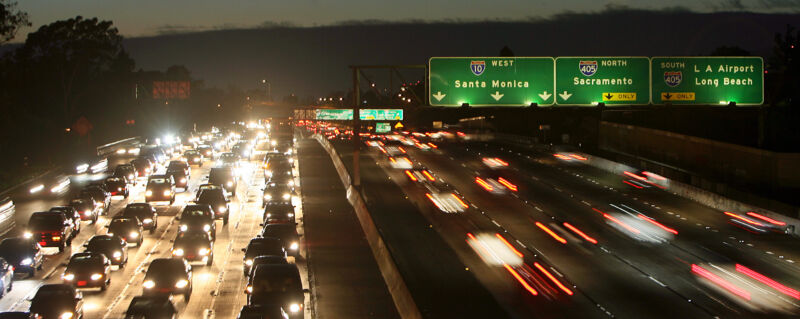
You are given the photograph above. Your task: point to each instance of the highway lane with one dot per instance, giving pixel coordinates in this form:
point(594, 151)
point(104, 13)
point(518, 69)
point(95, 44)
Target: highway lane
point(555, 199)
point(218, 290)
point(442, 285)
point(346, 281)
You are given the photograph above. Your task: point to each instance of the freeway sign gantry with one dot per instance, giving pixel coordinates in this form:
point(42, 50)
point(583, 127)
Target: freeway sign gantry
point(708, 80)
point(364, 114)
point(608, 80)
point(490, 81)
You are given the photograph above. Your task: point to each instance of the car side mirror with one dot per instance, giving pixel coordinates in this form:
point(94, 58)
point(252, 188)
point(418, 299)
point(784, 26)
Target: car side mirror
point(244, 249)
point(86, 245)
point(262, 224)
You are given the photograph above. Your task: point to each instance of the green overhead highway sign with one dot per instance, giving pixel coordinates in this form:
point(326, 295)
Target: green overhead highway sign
point(381, 114)
point(608, 80)
point(364, 114)
point(708, 80)
point(383, 128)
point(490, 81)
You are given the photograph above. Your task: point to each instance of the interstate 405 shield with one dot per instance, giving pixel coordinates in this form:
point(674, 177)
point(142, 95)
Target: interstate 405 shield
point(491, 81)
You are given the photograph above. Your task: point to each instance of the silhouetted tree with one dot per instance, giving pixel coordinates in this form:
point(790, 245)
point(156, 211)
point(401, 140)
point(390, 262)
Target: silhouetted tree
point(784, 65)
point(11, 20)
point(730, 51)
point(506, 51)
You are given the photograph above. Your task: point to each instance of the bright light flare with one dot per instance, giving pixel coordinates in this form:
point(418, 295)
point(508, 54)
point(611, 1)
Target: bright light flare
point(484, 184)
point(551, 233)
point(618, 222)
point(36, 189)
point(766, 219)
point(494, 162)
point(580, 233)
point(448, 203)
point(578, 157)
point(702, 272)
point(507, 184)
point(493, 250)
point(552, 278)
point(509, 245)
point(744, 219)
point(411, 176)
point(428, 176)
point(654, 222)
point(632, 175)
point(769, 282)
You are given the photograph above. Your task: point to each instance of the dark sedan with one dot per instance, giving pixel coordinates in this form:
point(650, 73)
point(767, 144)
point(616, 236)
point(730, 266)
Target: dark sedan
point(24, 254)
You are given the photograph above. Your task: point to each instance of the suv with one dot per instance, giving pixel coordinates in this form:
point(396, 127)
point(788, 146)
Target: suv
point(144, 212)
point(277, 283)
point(215, 198)
point(194, 246)
point(277, 195)
point(160, 188)
point(151, 307)
point(179, 176)
point(86, 208)
point(71, 214)
point(224, 177)
point(88, 270)
point(168, 276)
point(51, 229)
point(260, 246)
point(126, 171)
point(57, 301)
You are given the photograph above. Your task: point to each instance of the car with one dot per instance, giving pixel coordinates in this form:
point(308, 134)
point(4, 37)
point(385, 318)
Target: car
point(241, 150)
point(180, 177)
point(155, 151)
point(71, 213)
point(277, 168)
point(128, 228)
point(194, 246)
point(229, 158)
point(193, 157)
point(197, 217)
point(86, 208)
point(218, 201)
point(160, 188)
point(224, 177)
point(287, 233)
point(155, 307)
point(261, 312)
point(17, 315)
point(114, 247)
point(88, 270)
point(93, 165)
point(51, 229)
point(57, 301)
point(117, 186)
point(146, 213)
point(279, 214)
point(126, 171)
point(261, 246)
point(101, 197)
point(6, 277)
point(277, 195)
point(280, 179)
point(168, 276)
point(277, 284)
point(206, 150)
point(174, 165)
point(143, 167)
point(24, 254)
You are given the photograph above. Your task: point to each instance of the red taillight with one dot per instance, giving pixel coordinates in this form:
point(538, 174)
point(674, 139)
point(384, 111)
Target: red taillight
point(766, 219)
point(769, 282)
point(483, 184)
point(552, 278)
point(411, 176)
point(654, 222)
point(428, 176)
point(508, 244)
point(580, 233)
point(702, 272)
point(744, 219)
point(551, 233)
point(507, 184)
point(521, 280)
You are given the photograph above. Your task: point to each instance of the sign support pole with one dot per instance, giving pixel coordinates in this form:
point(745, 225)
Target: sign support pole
point(356, 129)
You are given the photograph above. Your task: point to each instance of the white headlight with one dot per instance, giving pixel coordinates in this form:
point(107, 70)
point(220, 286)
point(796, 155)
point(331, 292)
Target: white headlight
point(222, 209)
point(291, 183)
point(26, 262)
point(248, 262)
point(181, 283)
point(167, 193)
point(293, 246)
point(229, 183)
point(184, 227)
point(203, 251)
point(294, 307)
point(133, 235)
point(66, 315)
point(147, 220)
point(286, 196)
point(87, 213)
point(290, 214)
point(206, 227)
point(148, 284)
point(68, 277)
point(27, 234)
point(36, 188)
point(177, 252)
point(96, 276)
point(117, 254)
point(148, 193)
point(268, 197)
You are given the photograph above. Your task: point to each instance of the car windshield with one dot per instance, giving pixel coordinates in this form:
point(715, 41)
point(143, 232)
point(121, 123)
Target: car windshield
point(47, 293)
point(194, 212)
point(157, 181)
point(120, 222)
point(136, 211)
point(219, 175)
point(191, 239)
point(279, 231)
point(46, 222)
point(101, 243)
point(272, 247)
point(191, 153)
point(210, 196)
point(113, 180)
point(14, 244)
point(165, 268)
point(81, 263)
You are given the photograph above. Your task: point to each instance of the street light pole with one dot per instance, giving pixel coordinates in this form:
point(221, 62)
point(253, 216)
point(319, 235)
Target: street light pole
point(268, 88)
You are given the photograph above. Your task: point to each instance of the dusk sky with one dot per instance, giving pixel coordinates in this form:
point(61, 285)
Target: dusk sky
point(152, 17)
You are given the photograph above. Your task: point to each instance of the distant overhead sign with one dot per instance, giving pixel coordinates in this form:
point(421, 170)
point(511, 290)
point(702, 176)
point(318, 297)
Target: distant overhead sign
point(364, 114)
point(708, 80)
point(169, 90)
point(490, 81)
point(608, 80)
point(383, 127)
